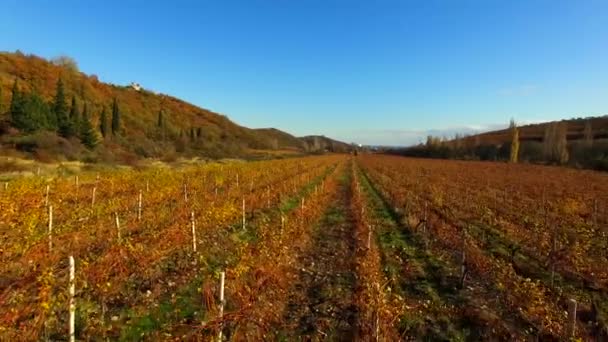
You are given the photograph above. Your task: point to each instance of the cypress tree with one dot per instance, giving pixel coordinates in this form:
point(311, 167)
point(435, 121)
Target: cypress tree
point(85, 112)
point(15, 97)
point(115, 118)
point(87, 132)
point(60, 109)
point(74, 117)
point(199, 132)
point(192, 137)
point(103, 123)
point(160, 122)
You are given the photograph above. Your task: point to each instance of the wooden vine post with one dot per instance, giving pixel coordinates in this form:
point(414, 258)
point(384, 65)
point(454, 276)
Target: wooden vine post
point(93, 196)
point(72, 303)
point(369, 237)
point(50, 230)
point(243, 213)
point(282, 223)
point(193, 231)
point(117, 221)
point(221, 314)
point(139, 200)
point(571, 329)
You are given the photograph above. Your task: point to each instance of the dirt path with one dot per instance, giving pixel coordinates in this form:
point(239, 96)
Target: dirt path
point(321, 303)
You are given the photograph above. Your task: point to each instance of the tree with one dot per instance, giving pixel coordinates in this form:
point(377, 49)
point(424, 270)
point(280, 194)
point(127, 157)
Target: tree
point(115, 118)
point(75, 117)
point(88, 136)
point(555, 143)
point(514, 142)
point(85, 112)
point(192, 135)
point(15, 97)
point(66, 62)
point(562, 143)
point(29, 112)
point(160, 123)
point(103, 123)
point(588, 134)
point(60, 109)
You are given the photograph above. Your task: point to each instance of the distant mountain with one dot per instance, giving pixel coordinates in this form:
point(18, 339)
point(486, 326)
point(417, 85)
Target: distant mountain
point(315, 143)
point(186, 130)
point(281, 140)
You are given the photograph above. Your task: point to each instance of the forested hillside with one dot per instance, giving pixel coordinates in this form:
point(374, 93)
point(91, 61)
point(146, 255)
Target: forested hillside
point(50, 110)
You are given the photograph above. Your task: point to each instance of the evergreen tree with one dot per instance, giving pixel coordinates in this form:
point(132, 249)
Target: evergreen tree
point(160, 122)
point(15, 97)
point(88, 136)
point(75, 117)
point(60, 109)
point(85, 112)
point(192, 137)
point(51, 118)
point(115, 118)
point(29, 112)
point(103, 123)
point(199, 132)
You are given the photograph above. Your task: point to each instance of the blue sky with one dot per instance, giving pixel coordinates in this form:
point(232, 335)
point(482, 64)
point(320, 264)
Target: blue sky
point(376, 72)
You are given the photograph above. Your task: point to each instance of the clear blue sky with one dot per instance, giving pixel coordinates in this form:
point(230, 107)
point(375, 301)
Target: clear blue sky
point(383, 72)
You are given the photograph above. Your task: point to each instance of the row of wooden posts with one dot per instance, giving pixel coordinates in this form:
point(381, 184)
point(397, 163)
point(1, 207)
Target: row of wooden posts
point(572, 303)
point(72, 303)
point(72, 300)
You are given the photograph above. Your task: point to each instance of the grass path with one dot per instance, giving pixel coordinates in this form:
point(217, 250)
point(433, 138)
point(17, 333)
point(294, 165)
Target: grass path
point(321, 302)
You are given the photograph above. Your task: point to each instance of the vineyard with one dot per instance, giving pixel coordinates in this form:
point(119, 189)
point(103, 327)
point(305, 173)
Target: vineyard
point(332, 247)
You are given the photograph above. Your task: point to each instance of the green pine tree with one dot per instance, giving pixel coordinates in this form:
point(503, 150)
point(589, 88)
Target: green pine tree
point(103, 123)
point(51, 118)
point(15, 97)
point(88, 136)
point(29, 112)
point(75, 117)
point(60, 109)
point(115, 118)
point(85, 112)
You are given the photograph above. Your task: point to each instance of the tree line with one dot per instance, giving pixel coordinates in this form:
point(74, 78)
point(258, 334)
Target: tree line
point(29, 113)
point(554, 148)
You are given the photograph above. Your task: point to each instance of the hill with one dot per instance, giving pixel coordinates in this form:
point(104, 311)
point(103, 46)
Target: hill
point(281, 140)
point(186, 130)
point(535, 132)
point(580, 142)
point(322, 143)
